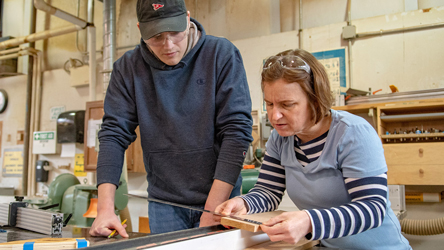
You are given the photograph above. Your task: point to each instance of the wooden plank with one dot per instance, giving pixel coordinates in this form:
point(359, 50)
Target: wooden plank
point(44, 243)
point(252, 227)
point(279, 245)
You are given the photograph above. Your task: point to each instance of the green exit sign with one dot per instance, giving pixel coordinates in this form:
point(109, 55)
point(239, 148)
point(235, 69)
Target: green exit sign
point(44, 136)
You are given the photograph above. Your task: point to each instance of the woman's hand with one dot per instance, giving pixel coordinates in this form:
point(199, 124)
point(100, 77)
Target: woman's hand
point(290, 227)
point(234, 206)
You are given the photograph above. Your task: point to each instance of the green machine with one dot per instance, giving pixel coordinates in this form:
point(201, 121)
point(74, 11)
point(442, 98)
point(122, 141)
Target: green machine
point(68, 196)
point(249, 176)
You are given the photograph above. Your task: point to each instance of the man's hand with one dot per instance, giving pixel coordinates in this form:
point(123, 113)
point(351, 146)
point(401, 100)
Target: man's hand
point(207, 220)
point(220, 191)
point(106, 220)
point(105, 223)
point(289, 227)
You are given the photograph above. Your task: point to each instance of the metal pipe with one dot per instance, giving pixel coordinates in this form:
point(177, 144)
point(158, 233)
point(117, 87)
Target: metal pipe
point(36, 101)
point(32, 158)
point(10, 56)
point(91, 30)
point(9, 51)
point(43, 6)
point(109, 40)
point(350, 47)
point(77, 33)
point(349, 12)
point(38, 36)
point(90, 17)
point(383, 32)
point(36, 93)
point(31, 76)
point(300, 25)
point(92, 62)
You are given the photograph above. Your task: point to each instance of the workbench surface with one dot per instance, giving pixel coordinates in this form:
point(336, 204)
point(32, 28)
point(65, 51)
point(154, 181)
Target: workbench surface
point(17, 234)
point(203, 238)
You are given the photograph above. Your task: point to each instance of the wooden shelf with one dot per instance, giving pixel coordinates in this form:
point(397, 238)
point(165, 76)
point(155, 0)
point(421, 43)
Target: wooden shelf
point(401, 136)
point(412, 117)
point(411, 158)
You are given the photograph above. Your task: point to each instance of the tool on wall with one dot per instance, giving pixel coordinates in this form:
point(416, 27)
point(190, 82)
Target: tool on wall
point(412, 135)
point(41, 171)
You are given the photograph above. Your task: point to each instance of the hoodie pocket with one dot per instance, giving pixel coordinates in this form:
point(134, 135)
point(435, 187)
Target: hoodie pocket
point(182, 175)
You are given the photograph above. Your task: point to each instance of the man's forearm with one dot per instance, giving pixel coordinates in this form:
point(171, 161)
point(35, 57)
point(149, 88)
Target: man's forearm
point(220, 192)
point(106, 193)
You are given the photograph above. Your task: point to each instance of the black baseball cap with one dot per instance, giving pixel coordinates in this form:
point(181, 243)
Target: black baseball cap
point(157, 16)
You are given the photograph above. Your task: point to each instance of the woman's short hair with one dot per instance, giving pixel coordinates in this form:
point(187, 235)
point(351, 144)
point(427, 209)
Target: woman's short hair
point(315, 84)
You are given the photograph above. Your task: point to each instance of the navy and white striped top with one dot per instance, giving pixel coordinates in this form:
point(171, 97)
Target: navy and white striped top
point(365, 211)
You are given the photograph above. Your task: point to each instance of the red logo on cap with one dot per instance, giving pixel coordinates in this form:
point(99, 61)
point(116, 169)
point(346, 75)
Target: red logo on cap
point(157, 6)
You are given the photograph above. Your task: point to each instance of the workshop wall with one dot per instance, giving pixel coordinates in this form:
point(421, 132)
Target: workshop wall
point(13, 120)
point(410, 60)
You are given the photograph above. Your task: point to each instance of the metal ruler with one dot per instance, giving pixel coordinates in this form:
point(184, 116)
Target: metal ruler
point(193, 208)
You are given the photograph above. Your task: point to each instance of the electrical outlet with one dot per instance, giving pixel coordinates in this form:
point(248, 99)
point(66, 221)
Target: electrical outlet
point(20, 137)
point(397, 197)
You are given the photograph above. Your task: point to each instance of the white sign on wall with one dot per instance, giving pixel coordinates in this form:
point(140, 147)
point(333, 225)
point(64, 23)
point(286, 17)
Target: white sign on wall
point(44, 142)
point(54, 112)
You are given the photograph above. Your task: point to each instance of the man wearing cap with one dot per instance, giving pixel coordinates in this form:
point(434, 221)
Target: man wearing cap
point(188, 93)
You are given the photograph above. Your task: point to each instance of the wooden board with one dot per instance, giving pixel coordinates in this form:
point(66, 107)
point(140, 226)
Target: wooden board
point(46, 244)
point(252, 227)
point(301, 245)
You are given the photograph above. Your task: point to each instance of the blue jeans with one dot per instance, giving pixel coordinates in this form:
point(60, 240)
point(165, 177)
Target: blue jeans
point(164, 218)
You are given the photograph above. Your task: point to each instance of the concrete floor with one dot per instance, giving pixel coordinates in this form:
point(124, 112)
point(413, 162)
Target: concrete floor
point(425, 211)
point(426, 242)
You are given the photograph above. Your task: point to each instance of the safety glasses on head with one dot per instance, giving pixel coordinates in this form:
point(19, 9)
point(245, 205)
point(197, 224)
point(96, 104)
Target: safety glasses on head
point(288, 62)
point(160, 39)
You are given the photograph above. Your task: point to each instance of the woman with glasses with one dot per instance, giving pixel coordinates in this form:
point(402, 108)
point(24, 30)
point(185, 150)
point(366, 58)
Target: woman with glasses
point(331, 163)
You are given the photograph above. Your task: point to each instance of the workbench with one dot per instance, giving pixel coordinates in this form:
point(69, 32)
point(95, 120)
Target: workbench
point(215, 237)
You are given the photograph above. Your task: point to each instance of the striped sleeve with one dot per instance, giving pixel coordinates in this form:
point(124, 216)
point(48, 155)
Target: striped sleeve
point(365, 211)
point(268, 191)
